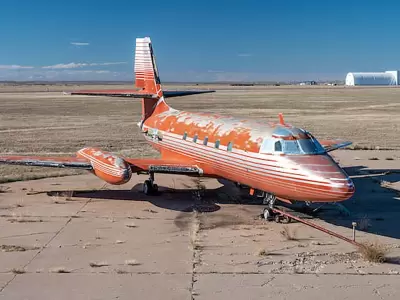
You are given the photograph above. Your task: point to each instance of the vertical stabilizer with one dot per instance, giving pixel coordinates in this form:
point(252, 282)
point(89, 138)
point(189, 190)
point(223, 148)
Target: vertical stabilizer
point(146, 72)
point(147, 78)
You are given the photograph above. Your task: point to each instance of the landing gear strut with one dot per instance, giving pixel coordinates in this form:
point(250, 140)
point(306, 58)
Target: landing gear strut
point(269, 214)
point(149, 187)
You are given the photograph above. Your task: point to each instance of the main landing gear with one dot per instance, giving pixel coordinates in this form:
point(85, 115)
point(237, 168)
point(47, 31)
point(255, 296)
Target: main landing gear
point(149, 187)
point(269, 214)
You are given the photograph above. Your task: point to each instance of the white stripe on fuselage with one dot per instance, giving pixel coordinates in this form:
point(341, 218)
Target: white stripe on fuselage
point(249, 161)
point(257, 176)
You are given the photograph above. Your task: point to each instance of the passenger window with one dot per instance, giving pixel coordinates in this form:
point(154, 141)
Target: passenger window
point(205, 142)
point(216, 144)
point(230, 146)
point(278, 146)
point(195, 138)
point(185, 135)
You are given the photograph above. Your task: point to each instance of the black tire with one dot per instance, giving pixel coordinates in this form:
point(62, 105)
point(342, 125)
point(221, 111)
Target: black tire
point(267, 214)
point(286, 219)
point(277, 218)
point(147, 187)
point(155, 188)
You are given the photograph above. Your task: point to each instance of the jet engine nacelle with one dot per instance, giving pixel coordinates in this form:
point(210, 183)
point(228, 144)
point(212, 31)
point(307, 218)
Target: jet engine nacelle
point(107, 166)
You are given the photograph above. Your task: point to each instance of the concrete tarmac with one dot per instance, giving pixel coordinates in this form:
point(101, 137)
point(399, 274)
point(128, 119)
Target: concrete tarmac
point(76, 238)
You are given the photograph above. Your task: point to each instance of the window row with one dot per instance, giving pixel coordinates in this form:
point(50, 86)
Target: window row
point(217, 143)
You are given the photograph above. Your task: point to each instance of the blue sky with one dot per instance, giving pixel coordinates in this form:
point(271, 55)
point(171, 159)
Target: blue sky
point(198, 40)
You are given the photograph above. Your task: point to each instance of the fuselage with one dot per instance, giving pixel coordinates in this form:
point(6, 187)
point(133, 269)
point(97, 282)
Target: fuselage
point(272, 157)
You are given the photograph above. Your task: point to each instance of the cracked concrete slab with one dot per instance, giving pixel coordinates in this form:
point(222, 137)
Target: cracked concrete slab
point(117, 242)
point(4, 279)
point(97, 286)
point(295, 286)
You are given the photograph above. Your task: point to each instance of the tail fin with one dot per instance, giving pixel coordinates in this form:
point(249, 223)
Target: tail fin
point(146, 73)
point(147, 78)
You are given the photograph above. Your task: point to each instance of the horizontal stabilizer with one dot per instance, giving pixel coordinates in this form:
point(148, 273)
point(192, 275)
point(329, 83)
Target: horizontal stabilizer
point(170, 94)
point(115, 93)
point(331, 145)
point(136, 93)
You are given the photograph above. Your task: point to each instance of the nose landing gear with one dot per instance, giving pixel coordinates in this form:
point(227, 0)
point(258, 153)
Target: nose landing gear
point(269, 212)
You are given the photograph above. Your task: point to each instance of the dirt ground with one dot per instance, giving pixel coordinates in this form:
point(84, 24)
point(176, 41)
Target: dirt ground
point(74, 237)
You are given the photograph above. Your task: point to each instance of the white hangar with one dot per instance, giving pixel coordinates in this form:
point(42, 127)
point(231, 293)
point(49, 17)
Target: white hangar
point(373, 78)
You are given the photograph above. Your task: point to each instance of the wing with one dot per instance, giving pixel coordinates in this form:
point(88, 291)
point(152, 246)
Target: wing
point(136, 164)
point(163, 166)
point(136, 93)
point(331, 145)
point(54, 162)
point(114, 93)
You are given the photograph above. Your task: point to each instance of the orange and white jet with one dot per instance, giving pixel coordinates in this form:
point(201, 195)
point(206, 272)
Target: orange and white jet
point(282, 161)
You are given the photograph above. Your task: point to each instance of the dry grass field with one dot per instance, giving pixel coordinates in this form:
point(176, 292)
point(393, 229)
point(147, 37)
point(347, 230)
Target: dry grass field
point(41, 120)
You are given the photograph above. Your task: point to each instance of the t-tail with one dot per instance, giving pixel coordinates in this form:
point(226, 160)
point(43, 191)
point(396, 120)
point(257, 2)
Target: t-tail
point(148, 79)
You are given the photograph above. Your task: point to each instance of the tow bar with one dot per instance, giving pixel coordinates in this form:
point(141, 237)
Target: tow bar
point(291, 216)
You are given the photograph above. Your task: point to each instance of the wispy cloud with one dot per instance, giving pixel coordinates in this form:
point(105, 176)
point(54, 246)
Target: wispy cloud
point(215, 71)
point(66, 74)
point(109, 63)
point(14, 67)
point(72, 72)
point(66, 66)
point(80, 65)
point(245, 54)
point(80, 44)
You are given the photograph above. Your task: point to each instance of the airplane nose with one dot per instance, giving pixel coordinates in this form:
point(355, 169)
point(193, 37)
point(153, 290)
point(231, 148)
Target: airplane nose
point(332, 182)
point(343, 187)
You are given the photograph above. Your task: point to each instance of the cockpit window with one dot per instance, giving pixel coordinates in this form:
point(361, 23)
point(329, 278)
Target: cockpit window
point(310, 146)
point(292, 147)
point(278, 146)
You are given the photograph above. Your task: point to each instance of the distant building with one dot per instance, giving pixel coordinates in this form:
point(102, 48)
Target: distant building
point(312, 82)
point(373, 78)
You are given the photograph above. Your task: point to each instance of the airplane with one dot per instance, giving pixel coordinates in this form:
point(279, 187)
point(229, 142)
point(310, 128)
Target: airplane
point(283, 162)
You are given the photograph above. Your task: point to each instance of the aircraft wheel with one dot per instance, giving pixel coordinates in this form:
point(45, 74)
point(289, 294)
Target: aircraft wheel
point(155, 188)
point(277, 218)
point(267, 213)
point(147, 187)
point(286, 219)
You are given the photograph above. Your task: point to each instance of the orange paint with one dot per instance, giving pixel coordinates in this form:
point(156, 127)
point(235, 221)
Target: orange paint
point(107, 166)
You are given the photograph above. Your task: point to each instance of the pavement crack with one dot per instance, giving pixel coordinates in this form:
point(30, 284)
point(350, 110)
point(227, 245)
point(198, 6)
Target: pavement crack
point(8, 282)
point(268, 281)
point(194, 241)
point(57, 233)
point(376, 290)
point(28, 234)
point(51, 239)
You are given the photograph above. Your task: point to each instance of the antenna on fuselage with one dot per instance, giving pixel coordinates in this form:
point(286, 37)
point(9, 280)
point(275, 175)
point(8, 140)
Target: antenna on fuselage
point(281, 121)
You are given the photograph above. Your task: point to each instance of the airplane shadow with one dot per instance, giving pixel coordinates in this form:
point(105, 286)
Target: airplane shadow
point(183, 200)
point(375, 206)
